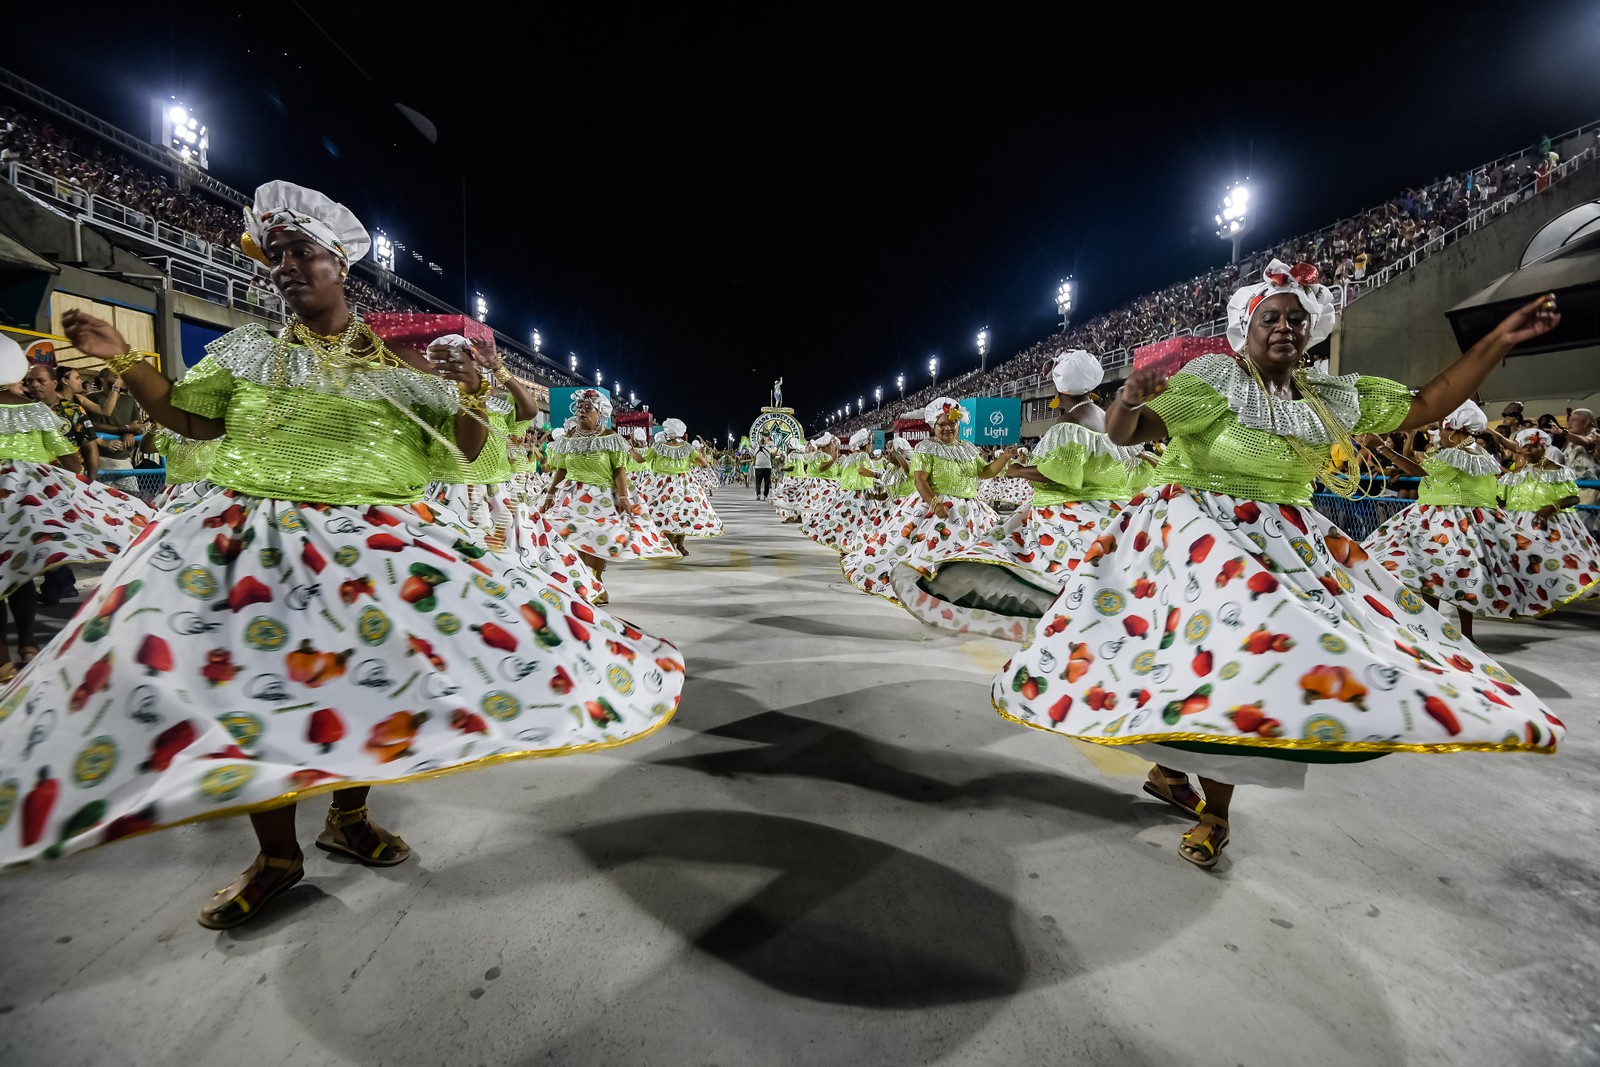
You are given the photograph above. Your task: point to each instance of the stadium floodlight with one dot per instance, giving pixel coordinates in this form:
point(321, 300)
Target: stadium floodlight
point(481, 307)
point(877, 396)
point(572, 362)
point(536, 340)
point(900, 383)
point(933, 369)
point(183, 134)
point(983, 348)
point(383, 251)
point(1064, 301)
point(861, 404)
point(599, 376)
point(1235, 215)
point(632, 399)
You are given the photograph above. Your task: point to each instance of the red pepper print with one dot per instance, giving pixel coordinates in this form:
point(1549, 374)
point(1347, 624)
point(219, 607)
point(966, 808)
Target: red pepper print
point(37, 805)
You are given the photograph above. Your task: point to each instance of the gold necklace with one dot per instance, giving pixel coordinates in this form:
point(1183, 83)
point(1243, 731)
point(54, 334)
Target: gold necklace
point(1340, 472)
point(333, 350)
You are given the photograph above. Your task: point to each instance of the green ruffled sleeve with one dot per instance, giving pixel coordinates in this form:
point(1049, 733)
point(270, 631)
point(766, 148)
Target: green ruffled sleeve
point(205, 390)
point(922, 461)
point(1188, 405)
point(1385, 403)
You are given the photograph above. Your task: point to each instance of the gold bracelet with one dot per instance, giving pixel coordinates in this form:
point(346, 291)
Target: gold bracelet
point(474, 404)
point(484, 386)
point(502, 376)
point(120, 365)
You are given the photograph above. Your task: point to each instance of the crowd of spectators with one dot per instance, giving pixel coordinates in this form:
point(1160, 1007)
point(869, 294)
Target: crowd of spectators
point(81, 167)
point(1350, 254)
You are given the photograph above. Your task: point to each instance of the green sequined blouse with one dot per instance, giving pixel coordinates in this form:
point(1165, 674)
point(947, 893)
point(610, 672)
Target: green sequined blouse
point(671, 459)
point(493, 465)
point(1454, 477)
point(297, 429)
point(1082, 464)
point(590, 460)
point(858, 475)
point(1532, 488)
point(952, 469)
point(1221, 425)
point(32, 432)
point(185, 460)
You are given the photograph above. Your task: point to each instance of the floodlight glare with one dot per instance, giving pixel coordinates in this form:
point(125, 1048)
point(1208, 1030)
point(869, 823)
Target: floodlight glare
point(536, 340)
point(482, 307)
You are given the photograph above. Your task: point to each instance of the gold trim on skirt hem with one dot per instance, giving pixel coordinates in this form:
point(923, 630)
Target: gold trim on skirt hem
point(1291, 743)
point(295, 797)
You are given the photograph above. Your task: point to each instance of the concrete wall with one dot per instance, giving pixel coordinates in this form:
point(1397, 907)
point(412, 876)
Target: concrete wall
point(1399, 331)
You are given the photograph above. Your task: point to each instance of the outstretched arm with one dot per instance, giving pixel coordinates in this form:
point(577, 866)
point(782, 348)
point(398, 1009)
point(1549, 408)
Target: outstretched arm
point(96, 337)
point(1451, 387)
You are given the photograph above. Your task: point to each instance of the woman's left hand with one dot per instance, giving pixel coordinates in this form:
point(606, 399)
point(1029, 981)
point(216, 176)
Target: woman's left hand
point(449, 364)
point(1534, 319)
point(92, 336)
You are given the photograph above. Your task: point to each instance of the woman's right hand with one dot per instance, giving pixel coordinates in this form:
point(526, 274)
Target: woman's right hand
point(92, 336)
point(941, 510)
point(1142, 385)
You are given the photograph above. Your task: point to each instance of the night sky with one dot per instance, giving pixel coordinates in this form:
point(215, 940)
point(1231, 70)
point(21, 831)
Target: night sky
point(700, 200)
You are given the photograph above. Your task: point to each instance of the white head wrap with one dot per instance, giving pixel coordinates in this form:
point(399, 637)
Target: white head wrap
point(1530, 435)
point(13, 361)
point(1468, 416)
point(1075, 372)
point(451, 340)
point(860, 438)
point(287, 206)
point(598, 399)
point(797, 447)
point(639, 434)
point(901, 445)
point(824, 440)
point(674, 428)
point(557, 434)
point(942, 409)
point(1301, 282)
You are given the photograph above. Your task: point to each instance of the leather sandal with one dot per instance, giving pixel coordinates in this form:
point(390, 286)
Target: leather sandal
point(243, 898)
point(1204, 854)
point(1175, 791)
point(376, 847)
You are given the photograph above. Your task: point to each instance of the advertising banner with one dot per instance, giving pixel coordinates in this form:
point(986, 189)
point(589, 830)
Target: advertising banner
point(995, 421)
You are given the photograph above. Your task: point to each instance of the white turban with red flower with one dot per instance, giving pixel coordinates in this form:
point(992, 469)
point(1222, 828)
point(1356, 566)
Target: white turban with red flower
point(946, 409)
point(1300, 281)
point(601, 402)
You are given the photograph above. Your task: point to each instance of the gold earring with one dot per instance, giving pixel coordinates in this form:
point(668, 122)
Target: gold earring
point(344, 274)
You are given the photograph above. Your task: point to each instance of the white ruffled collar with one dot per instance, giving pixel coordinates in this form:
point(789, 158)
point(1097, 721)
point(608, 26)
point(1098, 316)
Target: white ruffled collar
point(959, 452)
point(602, 441)
point(1285, 418)
point(1474, 463)
point(1554, 474)
point(251, 353)
point(27, 418)
point(679, 451)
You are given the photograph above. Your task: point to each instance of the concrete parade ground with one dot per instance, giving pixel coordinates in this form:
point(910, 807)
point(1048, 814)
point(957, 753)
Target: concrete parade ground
point(838, 854)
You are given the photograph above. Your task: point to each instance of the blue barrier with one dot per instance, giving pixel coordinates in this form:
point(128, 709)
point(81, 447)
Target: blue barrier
point(1361, 516)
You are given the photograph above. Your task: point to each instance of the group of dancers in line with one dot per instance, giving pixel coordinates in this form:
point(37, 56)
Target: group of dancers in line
point(359, 572)
point(1170, 585)
point(354, 580)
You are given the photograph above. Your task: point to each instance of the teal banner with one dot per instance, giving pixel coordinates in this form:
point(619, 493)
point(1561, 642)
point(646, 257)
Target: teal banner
point(995, 421)
point(563, 403)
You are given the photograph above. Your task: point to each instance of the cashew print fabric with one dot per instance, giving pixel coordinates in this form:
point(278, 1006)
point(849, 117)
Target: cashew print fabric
point(1203, 619)
point(247, 653)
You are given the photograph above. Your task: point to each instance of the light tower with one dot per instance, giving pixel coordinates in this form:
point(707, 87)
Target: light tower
point(1234, 216)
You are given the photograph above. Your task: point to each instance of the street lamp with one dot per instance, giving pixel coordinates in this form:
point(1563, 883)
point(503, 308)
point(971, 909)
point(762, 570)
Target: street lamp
point(1234, 216)
point(383, 251)
point(1064, 302)
point(933, 368)
point(481, 306)
point(983, 349)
